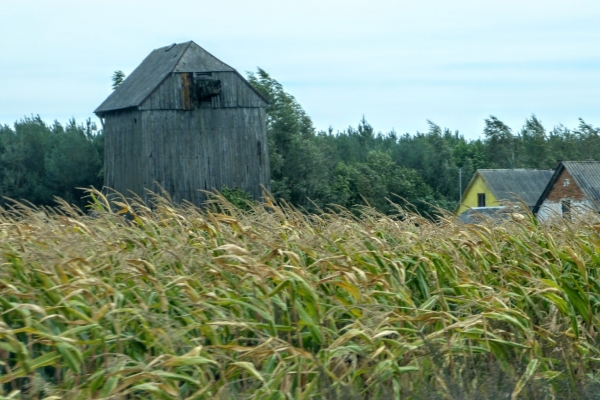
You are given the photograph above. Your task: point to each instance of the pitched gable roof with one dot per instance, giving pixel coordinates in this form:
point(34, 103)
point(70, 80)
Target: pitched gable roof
point(182, 57)
point(516, 184)
point(513, 184)
point(586, 175)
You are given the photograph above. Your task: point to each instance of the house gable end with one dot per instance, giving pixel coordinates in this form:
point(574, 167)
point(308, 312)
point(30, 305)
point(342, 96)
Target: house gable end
point(587, 176)
point(477, 186)
point(565, 186)
point(578, 181)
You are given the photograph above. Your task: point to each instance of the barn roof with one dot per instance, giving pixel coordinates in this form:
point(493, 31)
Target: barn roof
point(586, 175)
point(516, 184)
point(182, 57)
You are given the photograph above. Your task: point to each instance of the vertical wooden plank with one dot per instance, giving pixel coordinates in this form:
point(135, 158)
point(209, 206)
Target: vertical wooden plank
point(186, 91)
point(170, 92)
point(207, 153)
point(177, 96)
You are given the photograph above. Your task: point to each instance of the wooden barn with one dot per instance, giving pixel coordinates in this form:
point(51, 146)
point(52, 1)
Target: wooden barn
point(187, 121)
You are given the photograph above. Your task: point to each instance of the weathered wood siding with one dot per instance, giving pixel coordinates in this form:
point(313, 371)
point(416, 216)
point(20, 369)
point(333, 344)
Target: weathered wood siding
point(166, 97)
point(185, 145)
point(123, 161)
point(236, 92)
point(206, 149)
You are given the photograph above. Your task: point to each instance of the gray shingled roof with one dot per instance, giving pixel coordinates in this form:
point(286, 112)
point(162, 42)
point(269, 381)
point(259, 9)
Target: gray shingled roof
point(182, 57)
point(516, 184)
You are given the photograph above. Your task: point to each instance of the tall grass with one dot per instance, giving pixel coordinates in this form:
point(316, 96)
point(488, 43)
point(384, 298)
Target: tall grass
point(165, 301)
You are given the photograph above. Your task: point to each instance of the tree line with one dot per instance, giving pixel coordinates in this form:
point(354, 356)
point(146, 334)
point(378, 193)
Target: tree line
point(40, 162)
point(314, 169)
point(310, 169)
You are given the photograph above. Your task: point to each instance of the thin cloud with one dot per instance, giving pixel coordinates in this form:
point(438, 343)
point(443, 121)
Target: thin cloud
point(399, 63)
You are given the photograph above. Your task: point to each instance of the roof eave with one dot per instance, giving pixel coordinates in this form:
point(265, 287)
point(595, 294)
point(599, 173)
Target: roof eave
point(548, 187)
point(102, 110)
point(103, 113)
point(467, 189)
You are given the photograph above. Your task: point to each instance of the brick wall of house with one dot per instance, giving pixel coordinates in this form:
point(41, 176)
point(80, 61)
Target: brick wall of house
point(560, 191)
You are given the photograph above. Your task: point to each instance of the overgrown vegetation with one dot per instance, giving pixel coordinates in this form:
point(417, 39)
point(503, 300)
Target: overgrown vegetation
point(39, 162)
point(168, 301)
point(310, 169)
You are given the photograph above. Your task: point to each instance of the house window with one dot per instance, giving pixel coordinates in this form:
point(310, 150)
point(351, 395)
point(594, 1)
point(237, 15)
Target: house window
point(565, 208)
point(566, 182)
point(480, 199)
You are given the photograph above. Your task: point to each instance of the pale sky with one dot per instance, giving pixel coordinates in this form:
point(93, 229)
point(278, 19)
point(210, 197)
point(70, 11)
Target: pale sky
point(398, 63)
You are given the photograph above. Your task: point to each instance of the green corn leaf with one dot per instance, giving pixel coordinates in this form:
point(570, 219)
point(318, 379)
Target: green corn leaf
point(71, 356)
point(529, 371)
point(576, 298)
point(188, 360)
point(176, 377)
point(248, 366)
point(42, 361)
point(110, 386)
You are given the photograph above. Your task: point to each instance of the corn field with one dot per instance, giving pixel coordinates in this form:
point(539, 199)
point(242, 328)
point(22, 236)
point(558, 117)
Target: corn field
point(163, 301)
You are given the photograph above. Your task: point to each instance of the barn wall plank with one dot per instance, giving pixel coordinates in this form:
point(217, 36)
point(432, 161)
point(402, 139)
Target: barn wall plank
point(122, 153)
point(168, 96)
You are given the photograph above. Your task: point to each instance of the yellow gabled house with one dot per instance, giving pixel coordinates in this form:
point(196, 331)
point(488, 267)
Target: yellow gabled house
point(491, 187)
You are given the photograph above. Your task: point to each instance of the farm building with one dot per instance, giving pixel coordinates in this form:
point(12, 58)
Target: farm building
point(491, 187)
point(574, 188)
point(186, 121)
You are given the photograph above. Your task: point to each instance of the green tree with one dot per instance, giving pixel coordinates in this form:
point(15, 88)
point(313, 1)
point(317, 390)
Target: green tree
point(589, 141)
point(22, 161)
point(534, 143)
point(439, 170)
point(378, 181)
point(299, 173)
point(117, 78)
point(39, 162)
point(500, 142)
point(74, 161)
point(563, 144)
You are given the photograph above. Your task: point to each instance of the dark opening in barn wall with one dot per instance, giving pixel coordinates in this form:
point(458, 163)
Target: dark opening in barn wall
point(201, 126)
point(206, 87)
point(197, 88)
